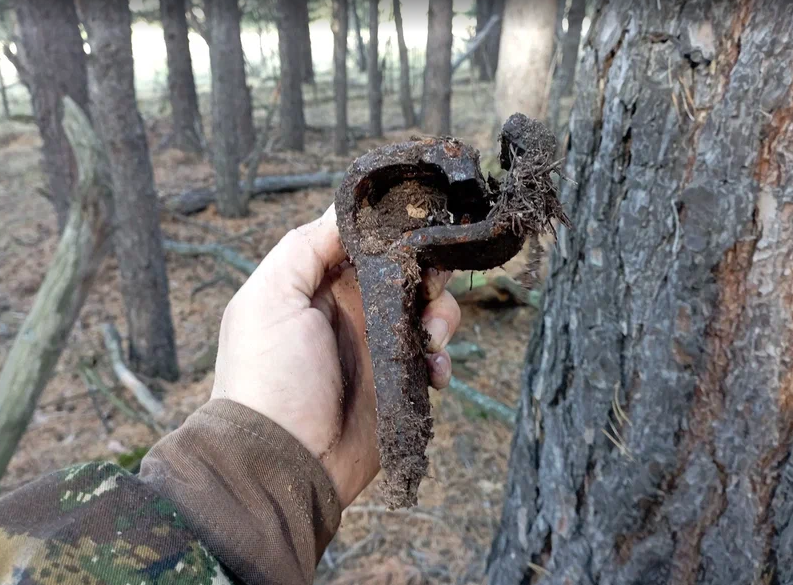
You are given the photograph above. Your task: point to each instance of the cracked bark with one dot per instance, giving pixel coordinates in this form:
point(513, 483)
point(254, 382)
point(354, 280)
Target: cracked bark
point(137, 240)
point(671, 300)
point(228, 147)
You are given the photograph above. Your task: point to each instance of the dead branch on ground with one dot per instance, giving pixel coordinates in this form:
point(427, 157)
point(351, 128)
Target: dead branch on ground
point(196, 200)
point(83, 245)
point(217, 251)
point(490, 406)
point(127, 378)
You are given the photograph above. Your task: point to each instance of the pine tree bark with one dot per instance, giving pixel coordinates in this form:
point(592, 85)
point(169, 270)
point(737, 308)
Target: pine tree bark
point(356, 18)
point(187, 131)
point(375, 76)
point(305, 41)
point(137, 239)
point(521, 82)
point(668, 317)
point(436, 117)
point(293, 123)
point(226, 147)
point(55, 67)
point(560, 100)
point(340, 23)
point(405, 94)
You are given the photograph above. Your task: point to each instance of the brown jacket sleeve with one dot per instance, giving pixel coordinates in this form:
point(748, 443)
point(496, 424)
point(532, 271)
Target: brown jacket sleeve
point(254, 496)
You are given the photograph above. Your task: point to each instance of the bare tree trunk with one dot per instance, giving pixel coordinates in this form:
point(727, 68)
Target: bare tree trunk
point(486, 57)
point(305, 41)
point(226, 147)
point(293, 124)
point(436, 117)
point(356, 18)
point(560, 100)
point(657, 423)
point(54, 68)
point(405, 95)
point(84, 244)
point(187, 132)
point(241, 91)
point(136, 238)
point(340, 21)
point(6, 108)
point(521, 82)
point(374, 73)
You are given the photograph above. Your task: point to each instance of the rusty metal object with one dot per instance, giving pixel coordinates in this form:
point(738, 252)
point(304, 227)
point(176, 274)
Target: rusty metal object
point(424, 203)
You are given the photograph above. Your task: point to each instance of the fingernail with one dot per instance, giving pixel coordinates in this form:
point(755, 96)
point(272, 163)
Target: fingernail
point(441, 367)
point(438, 330)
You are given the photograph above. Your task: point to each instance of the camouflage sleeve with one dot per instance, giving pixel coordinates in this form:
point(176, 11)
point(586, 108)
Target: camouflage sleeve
point(229, 497)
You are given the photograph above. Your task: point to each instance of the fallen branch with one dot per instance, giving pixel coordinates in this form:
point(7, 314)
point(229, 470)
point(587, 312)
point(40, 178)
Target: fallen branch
point(128, 379)
point(463, 351)
point(93, 381)
point(489, 406)
point(219, 252)
point(83, 245)
point(197, 200)
point(476, 42)
point(500, 288)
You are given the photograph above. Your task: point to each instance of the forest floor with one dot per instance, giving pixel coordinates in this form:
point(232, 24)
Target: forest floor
point(447, 537)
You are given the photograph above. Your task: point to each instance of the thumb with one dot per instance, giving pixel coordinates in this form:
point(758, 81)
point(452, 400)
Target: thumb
point(295, 267)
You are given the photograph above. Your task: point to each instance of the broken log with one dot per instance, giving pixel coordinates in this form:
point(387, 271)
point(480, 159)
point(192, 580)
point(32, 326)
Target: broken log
point(83, 245)
point(197, 200)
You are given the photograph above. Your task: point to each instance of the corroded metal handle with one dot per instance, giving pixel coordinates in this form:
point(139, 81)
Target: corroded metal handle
point(424, 203)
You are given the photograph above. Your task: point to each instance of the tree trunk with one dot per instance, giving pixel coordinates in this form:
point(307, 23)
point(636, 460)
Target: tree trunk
point(560, 100)
point(4, 96)
point(224, 22)
point(293, 124)
point(655, 439)
point(187, 132)
point(241, 91)
point(405, 95)
point(356, 18)
point(436, 116)
point(55, 67)
point(486, 57)
point(136, 238)
point(521, 81)
point(305, 41)
point(339, 25)
point(84, 244)
point(374, 74)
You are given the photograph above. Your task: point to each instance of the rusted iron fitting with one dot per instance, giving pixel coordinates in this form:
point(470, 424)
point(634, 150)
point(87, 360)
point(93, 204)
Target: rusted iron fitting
point(424, 203)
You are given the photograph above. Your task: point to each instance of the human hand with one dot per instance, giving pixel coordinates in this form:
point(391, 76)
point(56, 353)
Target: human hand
point(293, 348)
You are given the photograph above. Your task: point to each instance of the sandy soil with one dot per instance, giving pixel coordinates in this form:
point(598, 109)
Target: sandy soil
point(445, 539)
